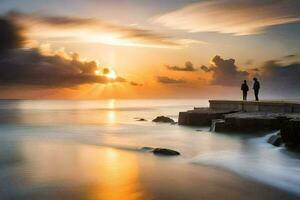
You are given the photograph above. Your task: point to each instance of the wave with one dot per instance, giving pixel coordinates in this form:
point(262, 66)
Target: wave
point(258, 161)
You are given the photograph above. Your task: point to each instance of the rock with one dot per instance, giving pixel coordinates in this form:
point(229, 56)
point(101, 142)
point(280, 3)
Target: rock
point(165, 152)
point(275, 140)
point(141, 119)
point(201, 116)
point(251, 122)
point(163, 119)
point(147, 149)
point(290, 133)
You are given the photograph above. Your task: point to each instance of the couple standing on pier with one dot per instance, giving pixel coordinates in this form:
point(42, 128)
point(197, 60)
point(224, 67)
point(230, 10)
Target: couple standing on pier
point(245, 89)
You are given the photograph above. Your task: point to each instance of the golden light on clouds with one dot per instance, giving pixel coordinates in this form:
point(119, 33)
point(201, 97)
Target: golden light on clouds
point(107, 72)
point(64, 29)
point(112, 75)
point(234, 16)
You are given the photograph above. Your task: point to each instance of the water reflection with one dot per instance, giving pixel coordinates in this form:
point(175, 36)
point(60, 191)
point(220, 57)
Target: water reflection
point(111, 103)
point(46, 112)
point(110, 174)
point(120, 176)
point(111, 117)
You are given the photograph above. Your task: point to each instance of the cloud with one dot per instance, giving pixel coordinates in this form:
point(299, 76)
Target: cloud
point(281, 77)
point(290, 56)
point(238, 17)
point(10, 35)
point(91, 30)
point(135, 84)
point(168, 80)
point(206, 69)
point(277, 77)
point(188, 67)
point(225, 72)
point(30, 67)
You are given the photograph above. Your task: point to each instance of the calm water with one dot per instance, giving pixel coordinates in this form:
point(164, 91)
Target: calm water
point(91, 150)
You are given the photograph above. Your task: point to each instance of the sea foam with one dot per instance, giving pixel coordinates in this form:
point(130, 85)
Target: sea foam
point(260, 162)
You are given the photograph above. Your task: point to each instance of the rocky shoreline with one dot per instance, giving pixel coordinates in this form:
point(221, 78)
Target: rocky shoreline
point(231, 116)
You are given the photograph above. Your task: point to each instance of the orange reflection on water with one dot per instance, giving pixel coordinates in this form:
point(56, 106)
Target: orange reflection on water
point(111, 117)
point(99, 173)
point(120, 176)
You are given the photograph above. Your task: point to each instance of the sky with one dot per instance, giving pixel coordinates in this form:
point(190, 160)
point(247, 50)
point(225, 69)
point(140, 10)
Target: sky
point(127, 49)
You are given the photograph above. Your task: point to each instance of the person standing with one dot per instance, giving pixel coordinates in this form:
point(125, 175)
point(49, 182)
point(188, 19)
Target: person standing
point(245, 89)
point(256, 87)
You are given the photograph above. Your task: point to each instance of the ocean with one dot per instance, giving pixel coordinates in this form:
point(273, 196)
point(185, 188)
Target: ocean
point(73, 149)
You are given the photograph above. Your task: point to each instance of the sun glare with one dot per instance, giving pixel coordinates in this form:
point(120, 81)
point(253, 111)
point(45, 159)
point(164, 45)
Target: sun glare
point(111, 74)
point(97, 72)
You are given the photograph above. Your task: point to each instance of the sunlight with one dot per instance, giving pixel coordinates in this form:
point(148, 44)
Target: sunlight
point(111, 104)
point(111, 75)
point(111, 117)
point(98, 72)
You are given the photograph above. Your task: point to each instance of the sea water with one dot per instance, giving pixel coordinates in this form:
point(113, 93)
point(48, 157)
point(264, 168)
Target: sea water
point(67, 149)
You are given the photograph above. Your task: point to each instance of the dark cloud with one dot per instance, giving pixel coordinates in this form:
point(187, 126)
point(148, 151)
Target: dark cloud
point(50, 20)
point(10, 35)
point(290, 56)
point(277, 77)
point(281, 77)
point(20, 66)
point(206, 69)
point(168, 80)
point(106, 71)
point(188, 67)
point(30, 67)
point(225, 72)
point(135, 83)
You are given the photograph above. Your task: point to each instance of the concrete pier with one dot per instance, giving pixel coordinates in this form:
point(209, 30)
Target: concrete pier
point(219, 109)
point(249, 116)
point(256, 106)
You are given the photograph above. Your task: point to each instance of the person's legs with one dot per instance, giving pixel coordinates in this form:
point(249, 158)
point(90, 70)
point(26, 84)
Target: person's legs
point(256, 94)
point(244, 96)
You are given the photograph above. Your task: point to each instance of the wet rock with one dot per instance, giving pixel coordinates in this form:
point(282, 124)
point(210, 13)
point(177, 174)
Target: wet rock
point(147, 149)
point(290, 133)
point(251, 122)
point(165, 152)
point(275, 140)
point(141, 119)
point(163, 119)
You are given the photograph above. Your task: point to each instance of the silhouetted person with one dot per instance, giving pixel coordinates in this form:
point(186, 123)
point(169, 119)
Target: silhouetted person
point(256, 87)
point(245, 89)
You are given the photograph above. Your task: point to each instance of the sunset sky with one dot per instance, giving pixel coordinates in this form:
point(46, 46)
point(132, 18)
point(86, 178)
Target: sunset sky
point(95, 49)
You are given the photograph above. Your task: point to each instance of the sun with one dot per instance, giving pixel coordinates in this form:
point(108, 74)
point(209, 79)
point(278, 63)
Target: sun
point(111, 74)
point(107, 72)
